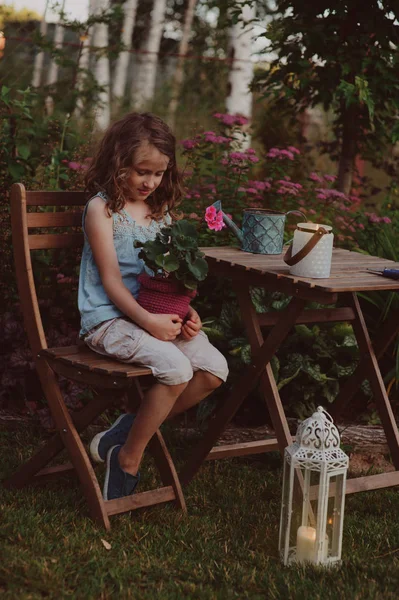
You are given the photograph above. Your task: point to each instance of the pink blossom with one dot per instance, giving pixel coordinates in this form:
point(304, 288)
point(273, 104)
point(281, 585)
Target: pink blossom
point(312, 212)
point(214, 218)
point(293, 149)
point(360, 226)
point(282, 154)
point(76, 166)
point(386, 220)
point(188, 144)
point(330, 177)
point(231, 120)
point(315, 177)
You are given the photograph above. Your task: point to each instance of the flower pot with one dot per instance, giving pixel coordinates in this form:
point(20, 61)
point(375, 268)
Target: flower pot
point(164, 296)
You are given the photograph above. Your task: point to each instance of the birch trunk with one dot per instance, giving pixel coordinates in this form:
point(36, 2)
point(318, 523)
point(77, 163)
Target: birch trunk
point(122, 64)
point(239, 99)
point(102, 71)
point(52, 75)
point(179, 72)
point(144, 85)
point(39, 58)
point(84, 60)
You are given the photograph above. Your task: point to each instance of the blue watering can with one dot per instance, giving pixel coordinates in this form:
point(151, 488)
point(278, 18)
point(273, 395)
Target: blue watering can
point(262, 229)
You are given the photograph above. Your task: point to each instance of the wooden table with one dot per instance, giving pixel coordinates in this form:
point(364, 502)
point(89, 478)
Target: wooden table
point(348, 276)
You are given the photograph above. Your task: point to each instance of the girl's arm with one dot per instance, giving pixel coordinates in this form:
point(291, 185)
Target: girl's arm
point(99, 230)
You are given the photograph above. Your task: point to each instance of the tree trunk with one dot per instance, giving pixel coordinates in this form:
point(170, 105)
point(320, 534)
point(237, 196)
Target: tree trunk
point(179, 71)
point(102, 71)
point(144, 84)
point(348, 150)
point(239, 99)
point(84, 60)
point(122, 65)
point(39, 58)
point(52, 75)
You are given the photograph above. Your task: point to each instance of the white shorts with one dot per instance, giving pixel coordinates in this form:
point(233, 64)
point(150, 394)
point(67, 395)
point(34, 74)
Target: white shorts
point(171, 363)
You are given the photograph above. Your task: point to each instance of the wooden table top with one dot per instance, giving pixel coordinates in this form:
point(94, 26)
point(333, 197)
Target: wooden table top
point(348, 270)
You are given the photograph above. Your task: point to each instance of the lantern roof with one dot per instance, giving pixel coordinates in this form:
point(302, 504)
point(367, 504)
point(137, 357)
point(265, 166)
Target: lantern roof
point(318, 440)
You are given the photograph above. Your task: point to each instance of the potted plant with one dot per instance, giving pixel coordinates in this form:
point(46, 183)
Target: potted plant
point(177, 265)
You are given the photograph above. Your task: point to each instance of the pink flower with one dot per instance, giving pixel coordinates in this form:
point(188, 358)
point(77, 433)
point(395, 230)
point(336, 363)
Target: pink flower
point(293, 149)
point(214, 219)
point(386, 220)
point(315, 177)
point(188, 144)
point(330, 177)
point(75, 166)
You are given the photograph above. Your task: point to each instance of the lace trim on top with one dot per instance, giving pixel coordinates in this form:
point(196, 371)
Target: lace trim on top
point(124, 225)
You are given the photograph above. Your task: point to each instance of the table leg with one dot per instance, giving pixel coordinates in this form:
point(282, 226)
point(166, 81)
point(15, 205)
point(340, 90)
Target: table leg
point(371, 371)
point(381, 343)
point(243, 387)
point(267, 381)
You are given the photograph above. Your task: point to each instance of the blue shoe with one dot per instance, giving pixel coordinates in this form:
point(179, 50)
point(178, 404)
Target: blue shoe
point(117, 482)
point(114, 436)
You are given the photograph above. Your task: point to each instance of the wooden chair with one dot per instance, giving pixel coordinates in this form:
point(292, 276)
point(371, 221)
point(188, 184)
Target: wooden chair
point(111, 380)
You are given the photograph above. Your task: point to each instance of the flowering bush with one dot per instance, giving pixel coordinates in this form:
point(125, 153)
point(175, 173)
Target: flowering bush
point(218, 168)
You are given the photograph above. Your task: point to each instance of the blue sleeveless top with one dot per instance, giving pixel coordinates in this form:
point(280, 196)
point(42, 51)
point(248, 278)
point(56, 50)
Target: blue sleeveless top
point(94, 304)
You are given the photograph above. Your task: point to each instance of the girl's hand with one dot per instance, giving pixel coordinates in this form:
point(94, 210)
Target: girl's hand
point(164, 327)
point(192, 326)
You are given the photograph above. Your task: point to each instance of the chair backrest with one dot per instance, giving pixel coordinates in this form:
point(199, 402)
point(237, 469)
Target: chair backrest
point(53, 210)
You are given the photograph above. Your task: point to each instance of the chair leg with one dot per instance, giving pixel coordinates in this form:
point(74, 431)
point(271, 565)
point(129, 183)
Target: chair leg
point(73, 444)
point(30, 470)
point(166, 467)
point(160, 452)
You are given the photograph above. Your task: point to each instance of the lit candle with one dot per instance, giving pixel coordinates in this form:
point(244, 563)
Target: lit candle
point(305, 543)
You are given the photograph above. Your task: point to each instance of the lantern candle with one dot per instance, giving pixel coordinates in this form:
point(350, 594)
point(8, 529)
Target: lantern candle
point(305, 543)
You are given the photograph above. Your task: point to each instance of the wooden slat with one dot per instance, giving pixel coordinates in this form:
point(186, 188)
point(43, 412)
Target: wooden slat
point(62, 240)
point(38, 198)
point(243, 449)
point(367, 483)
point(323, 315)
point(83, 357)
point(140, 500)
point(54, 219)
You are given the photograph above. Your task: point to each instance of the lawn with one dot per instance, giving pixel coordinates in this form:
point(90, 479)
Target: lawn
point(225, 548)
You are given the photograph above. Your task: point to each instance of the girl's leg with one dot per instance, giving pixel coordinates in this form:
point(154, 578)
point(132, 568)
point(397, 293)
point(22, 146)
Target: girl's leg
point(210, 371)
point(155, 407)
point(201, 385)
point(123, 340)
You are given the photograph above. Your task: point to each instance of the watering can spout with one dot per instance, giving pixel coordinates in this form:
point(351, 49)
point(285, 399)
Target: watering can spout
point(236, 230)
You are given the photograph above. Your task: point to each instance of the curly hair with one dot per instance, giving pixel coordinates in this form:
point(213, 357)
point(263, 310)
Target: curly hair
point(112, 165)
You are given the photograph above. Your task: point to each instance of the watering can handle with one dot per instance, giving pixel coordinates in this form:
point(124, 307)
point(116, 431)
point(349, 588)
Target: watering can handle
point(307, 248)
point(296, 212)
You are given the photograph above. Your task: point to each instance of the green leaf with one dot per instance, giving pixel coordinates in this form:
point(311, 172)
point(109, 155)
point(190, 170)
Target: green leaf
point(168, 263)
point(23, 151)
point(199, 268)
point(17, 171)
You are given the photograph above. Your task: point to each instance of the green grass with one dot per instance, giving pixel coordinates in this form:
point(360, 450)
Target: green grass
point(225, 548)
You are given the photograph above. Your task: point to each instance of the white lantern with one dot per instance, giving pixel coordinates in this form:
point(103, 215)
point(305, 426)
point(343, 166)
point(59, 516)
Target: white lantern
point(317, 263)
point(313, 500)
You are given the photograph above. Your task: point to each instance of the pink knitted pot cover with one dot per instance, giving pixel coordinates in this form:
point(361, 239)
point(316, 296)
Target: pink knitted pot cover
point(164, 296)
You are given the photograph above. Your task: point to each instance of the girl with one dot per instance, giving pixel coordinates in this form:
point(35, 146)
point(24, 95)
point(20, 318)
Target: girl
point(134, 185)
